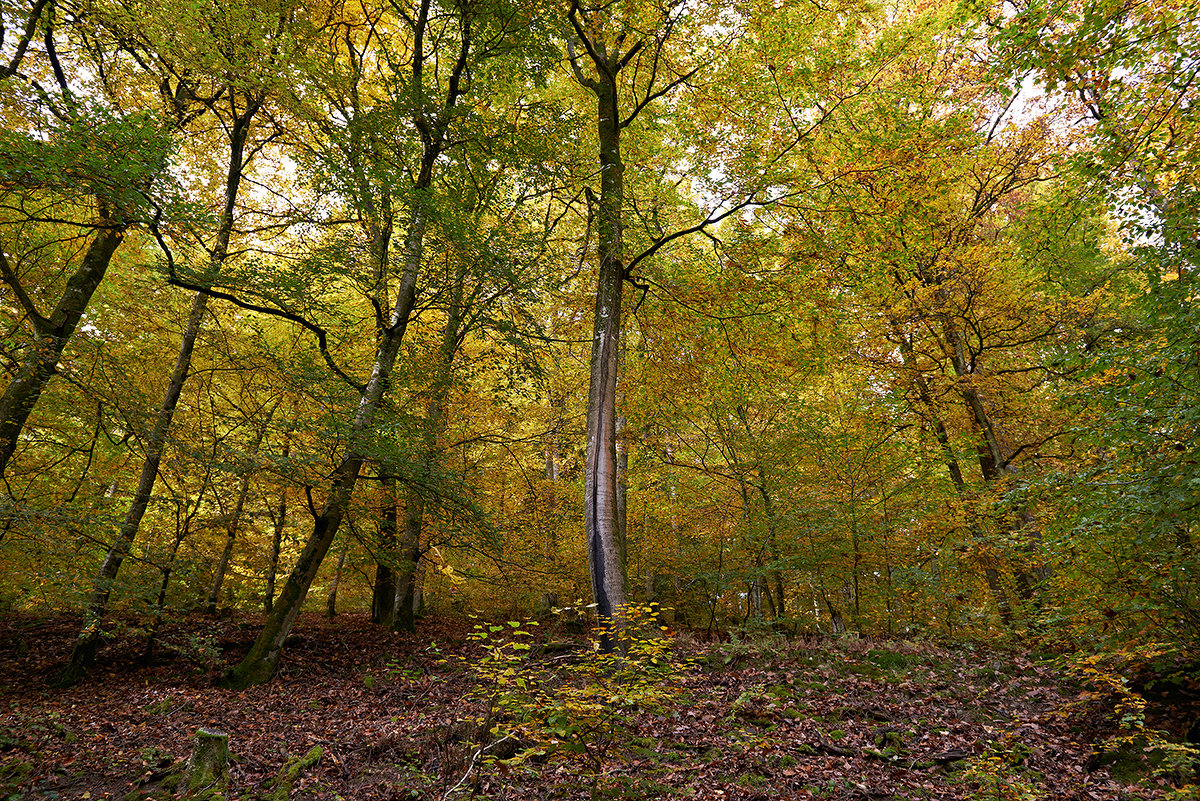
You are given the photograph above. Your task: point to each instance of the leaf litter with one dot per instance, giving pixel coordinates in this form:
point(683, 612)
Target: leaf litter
point(394, 715)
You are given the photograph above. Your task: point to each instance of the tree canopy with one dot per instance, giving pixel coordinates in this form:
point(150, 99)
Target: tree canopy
point(817, 317)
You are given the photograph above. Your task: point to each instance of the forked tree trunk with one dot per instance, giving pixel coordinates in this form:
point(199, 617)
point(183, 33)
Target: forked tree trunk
point(954, 469)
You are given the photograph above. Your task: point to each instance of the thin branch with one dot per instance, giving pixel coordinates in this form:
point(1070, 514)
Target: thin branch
point(322, 337)
point(40, 323)
point(14, 63)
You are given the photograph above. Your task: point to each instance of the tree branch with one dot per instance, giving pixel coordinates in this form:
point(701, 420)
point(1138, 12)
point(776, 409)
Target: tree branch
point(322, 336)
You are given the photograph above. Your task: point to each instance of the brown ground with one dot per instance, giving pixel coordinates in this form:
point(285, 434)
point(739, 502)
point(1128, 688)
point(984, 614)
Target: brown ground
point(805, 719)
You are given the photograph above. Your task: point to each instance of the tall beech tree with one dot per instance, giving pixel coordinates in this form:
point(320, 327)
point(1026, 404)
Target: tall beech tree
point(250, 34)
point(443, 52)
point(628, 59)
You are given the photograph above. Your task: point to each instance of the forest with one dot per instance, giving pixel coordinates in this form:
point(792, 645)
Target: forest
point(857, 333)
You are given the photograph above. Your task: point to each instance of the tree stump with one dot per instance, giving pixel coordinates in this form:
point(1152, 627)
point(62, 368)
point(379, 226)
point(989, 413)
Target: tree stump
point(206, 766)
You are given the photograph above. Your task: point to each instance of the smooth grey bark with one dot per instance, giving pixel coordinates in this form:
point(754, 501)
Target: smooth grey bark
point(607, 58)
point(52, 332)
point(403, 618)
point(83, 655)
point(606, 559)
point(622, 485)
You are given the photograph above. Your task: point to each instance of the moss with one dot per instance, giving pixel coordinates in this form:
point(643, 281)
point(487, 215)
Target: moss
point(752, 780)
point(282, 785)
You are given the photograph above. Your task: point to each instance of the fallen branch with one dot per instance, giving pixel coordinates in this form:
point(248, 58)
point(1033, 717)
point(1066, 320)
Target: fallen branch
point(830, 748)
point(474, 760)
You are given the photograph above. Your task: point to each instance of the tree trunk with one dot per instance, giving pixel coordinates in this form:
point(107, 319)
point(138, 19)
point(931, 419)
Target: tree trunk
point(235, 519)
point(406, 571)
point(606, 559)
point(161, 602)
point(84, 653)
point(53, 333)
point(273, 558)
point(953, 468)
point(259, 664)
point(622, 487)
point(383, 596)
point(277, 536)
point(331, 603)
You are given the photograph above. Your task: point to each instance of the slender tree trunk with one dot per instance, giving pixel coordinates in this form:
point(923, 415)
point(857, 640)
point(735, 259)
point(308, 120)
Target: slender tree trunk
point(622, 487)
point(954, 469)
point(773, 545)
point(418, 593)
point(235, 519)
point(331, 603)
point(259, 664)
point(181, 531)
point(992, 453)
point(383, 597)
point(435, 423)
point(52, 333)
point(84, 653)
point(277, 535)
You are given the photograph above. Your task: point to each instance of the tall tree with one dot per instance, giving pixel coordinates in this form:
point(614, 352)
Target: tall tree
point(237, 105)
point(614, 48)
point(435, 61)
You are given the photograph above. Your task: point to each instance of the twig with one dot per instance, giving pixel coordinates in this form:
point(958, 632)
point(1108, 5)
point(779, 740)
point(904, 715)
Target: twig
point(471, 767)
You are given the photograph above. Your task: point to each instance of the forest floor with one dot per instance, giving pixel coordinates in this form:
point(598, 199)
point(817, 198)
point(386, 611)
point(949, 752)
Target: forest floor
point(394, 716)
